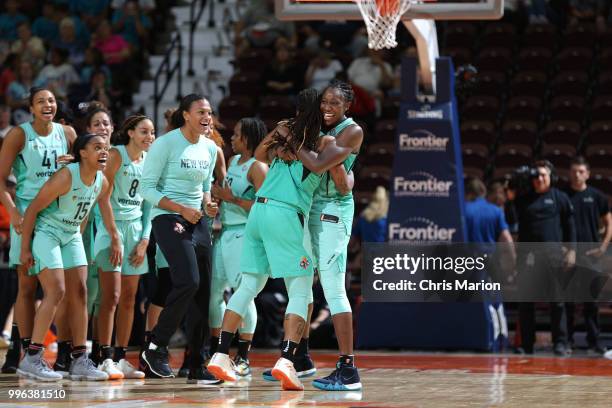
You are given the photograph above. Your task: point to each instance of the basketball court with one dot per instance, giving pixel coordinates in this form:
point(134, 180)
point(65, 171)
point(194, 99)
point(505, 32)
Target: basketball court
point(391, 379)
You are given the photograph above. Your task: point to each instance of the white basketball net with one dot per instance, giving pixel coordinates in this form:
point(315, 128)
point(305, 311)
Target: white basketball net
point(381, 26)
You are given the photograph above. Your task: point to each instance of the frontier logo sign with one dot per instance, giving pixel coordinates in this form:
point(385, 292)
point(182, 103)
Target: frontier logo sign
point(420, 229)
point(422, 140)
point(421, 184)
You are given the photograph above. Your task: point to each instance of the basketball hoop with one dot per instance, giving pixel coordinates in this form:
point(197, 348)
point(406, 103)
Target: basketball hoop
point(381, 18)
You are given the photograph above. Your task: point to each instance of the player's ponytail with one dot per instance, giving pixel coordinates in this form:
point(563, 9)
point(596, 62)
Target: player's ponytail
point(177, 120)
point(306, 125)
point(254, 131)
point(81, 143)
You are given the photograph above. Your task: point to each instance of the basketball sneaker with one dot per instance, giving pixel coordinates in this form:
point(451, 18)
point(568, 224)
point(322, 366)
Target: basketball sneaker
point(156, 362)
point(110, 368)
point(222, 367)
point(242, 366)
point(83, 368)
point(63, 361)
point(34, 366)
point(12, 358)
point(129, 371)
point(202, 376)
point(344, 378)
point(304, 367)
point(284, 371)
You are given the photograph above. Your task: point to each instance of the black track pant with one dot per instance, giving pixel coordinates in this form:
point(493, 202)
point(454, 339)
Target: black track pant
point(179, 241)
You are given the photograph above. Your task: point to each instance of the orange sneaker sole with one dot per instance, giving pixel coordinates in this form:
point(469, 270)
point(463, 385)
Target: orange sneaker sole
point(220, 373)
point(286, 382)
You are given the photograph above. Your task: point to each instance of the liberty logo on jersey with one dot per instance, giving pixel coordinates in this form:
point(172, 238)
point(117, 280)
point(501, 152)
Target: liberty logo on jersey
point(304, 263)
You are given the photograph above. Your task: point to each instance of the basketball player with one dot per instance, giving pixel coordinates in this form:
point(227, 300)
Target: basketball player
point(245, 176)
point(273, 244)
point(34, 151)
point(57, 256)
point(177, 179)
point(98, 120)
point(330, 223)
point(119, 284)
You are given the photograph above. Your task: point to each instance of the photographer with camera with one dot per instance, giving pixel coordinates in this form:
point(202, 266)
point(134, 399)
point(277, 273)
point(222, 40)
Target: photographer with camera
point(545, 215)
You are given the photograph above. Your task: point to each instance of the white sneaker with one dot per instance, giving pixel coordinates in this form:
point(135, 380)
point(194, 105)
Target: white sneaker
point(110, 367)
point(285, 372)
point(83, 368)
point(222, 367)
point(129, 371)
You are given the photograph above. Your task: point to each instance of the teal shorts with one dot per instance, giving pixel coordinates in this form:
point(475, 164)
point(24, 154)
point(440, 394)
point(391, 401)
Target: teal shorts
point(274, 241)
point(130, 233)
point(53, 249)
point(160, 259)
point(226, 265)
point(15, 249)
point(330, 231)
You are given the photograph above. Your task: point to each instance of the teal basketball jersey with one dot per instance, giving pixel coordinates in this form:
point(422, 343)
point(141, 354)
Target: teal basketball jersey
point(327, 189)
point(68, 211)
point(126, 199)
point(290, 183)
point(237, 179)
point(37, 161)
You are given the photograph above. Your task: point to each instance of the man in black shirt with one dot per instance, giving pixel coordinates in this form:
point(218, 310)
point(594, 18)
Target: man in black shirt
point(545, 214)
point(590, 208)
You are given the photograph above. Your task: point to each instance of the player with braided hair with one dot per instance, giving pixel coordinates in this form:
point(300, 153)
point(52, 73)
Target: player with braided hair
point(274, 239)
point(119, 283)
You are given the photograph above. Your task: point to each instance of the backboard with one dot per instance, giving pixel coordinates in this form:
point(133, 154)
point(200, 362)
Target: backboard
point(427, 9)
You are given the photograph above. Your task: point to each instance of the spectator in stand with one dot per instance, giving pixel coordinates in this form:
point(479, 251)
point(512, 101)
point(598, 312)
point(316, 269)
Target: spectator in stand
point(8, 74)
point(82, 32)
point(132, 24)
point(586, 10)
point(91, 11)
point(372, 73)
point(114, 48)
point(282, 76)
point(46, 26)
point(259, 27)
point(29, 47)
point(116, 52)
point(68, 41)
point(322, 70)
point(59, 74)
point(100, 91)
point(18, 92)
point(10, 19)
point(371, 225)
point(94, 61)
point(147, 6)
point(5, 121)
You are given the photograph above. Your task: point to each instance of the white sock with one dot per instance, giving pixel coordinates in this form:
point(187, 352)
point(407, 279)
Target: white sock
point(152, 346)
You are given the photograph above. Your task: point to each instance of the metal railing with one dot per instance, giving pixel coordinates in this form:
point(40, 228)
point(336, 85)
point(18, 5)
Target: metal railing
point(167, 69)
point(194, 20)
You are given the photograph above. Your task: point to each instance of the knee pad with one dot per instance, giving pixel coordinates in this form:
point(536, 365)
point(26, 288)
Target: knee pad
point(250, 320)
point(216, 306)
point(335, 292)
